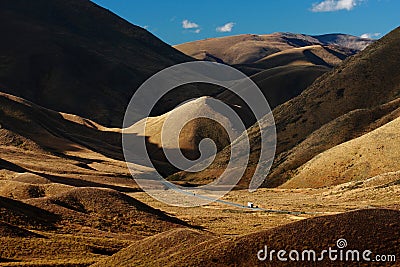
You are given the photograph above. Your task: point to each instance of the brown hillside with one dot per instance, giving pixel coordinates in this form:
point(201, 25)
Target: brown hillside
point(379, 237)
point(8, 230)
point(76, 57)
point(307, 55)
point(39, 146)
point(235, 49)
point(189, 137)
point(346, 127)
point(35, 127)
point(374, 153)
point(365, 81)
point(54, 208)
point(157, 247)
point(249, 48)
point(278, 84)
point(18, 213)
point(106, 210)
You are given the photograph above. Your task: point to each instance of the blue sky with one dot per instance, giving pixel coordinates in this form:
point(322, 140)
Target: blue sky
point(177, 22)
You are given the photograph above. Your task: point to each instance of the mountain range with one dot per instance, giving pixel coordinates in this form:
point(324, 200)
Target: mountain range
point(341, 105)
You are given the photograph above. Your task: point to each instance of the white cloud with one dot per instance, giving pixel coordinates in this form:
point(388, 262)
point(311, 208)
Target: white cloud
point(334, 5)
point(189, 25)
point(370, 35)
point(225, 28)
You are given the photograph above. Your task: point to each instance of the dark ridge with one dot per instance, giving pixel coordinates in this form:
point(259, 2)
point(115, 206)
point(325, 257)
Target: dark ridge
point(76, 57)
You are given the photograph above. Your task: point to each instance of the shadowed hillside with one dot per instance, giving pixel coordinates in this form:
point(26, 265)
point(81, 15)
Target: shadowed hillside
point(187, 136)
point(364, 82)
point(374, 153)
point(105, 210)
point(281, 64)
point(29, 126)
point(76, 57)
point(62, 189)
point(242, 251)
point(278, 84)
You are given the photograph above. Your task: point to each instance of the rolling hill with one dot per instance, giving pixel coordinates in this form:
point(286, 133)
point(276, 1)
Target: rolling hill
point(304, 55)
point(54, 164)
point(190, 134)
point(293, 62)
point(156, 247)
point(76, 57)
point(242, 250)
point(278, 84)
point(76, 227)
point(374, 153)
point(62, 189)
point(203, 106)
point(41, 146)
point(250, 48)
point(365, 84)
point(365, 81)
point(105, 210)
point(32, 127)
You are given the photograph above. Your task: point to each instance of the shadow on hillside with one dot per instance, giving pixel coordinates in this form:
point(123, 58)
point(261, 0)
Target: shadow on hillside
point(48, 129)
point(63, 180)
point(14, 211)
point(4, 164)
point(83, 183)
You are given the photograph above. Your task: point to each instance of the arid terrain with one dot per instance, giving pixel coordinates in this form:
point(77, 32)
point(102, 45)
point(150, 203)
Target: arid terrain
point(67, 197)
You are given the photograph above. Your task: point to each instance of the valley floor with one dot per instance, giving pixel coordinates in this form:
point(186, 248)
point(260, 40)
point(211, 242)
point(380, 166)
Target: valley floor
point(80, 244)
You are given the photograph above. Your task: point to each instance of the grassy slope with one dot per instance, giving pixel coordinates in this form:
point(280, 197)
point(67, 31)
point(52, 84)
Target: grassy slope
point(242, 251)
point(366, 81)
point(250, 48)
point(374, 153)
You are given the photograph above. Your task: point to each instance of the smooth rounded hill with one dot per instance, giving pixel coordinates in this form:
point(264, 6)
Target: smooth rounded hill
point(299, 56)
point(149, 251)
point(17, 190)
point(77, 57)
point(31, 178)
point(316, 234)
point(235, 49)
point(307, 55)
point(39, 146)
point(249, 48)
point(187, 132)
point(20, 191)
